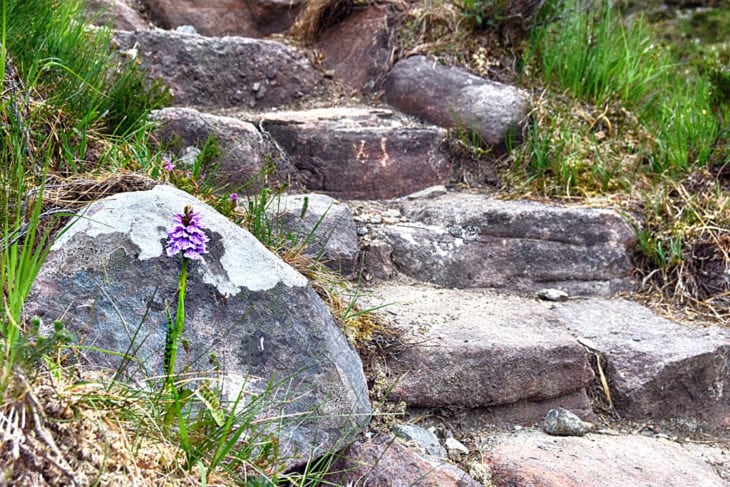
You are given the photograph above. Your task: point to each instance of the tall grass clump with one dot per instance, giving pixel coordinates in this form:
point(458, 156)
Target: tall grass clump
point(601, 60)
point(72, 68)
point(622, 118)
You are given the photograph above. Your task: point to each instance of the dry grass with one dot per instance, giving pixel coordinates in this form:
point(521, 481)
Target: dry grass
point(75, 192)
point(695, 284)
point(317, 15)
point(70, 428)
point(440, 28)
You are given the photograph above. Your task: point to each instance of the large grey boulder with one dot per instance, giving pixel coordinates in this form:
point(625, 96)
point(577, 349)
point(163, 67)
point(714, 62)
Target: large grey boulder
point(360, 153)
point(470, 240)
point(536, 459)
point(451, 97)
point(223, 72)
point(108, 279)
point(242, 148)
point(656, 368)
point(247, 18)
point(479, 349)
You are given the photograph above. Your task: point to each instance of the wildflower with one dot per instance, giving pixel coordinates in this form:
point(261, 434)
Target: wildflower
point(169, 166)
point(234, 197)
point(187, 236)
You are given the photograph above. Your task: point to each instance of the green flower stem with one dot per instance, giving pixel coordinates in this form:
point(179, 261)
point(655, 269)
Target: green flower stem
point(175, 331)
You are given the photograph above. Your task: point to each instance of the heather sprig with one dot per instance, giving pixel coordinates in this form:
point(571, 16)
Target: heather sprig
point(188, 238)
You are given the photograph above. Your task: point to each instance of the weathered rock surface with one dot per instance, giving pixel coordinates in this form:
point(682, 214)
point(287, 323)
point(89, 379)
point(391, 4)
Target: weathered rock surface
point(532, 458)
point(469, 240)
point(115, 13)
point(384, 461)
point(326, 227)
point(421, 437)
point(241, 145)
point(109, 280)
point(246, 18)
point(223, 72)
point(477, 349)
point(656, 368)
point(521, 413)
point(453, 98)
point(357, 50)
point(360, 153)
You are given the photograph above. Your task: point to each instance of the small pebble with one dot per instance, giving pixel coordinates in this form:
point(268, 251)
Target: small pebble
point(552, 295)
point(561, 422)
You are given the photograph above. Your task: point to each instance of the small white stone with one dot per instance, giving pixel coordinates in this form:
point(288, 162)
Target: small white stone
point(552, 295)
point(452, 444)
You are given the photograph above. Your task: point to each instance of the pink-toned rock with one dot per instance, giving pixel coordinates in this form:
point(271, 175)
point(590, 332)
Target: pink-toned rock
point(116, 13)
point(223, 72)
point(385, 462)
point(522, 413)
point(656, 368)
point(247, 18)
point(454, 98)
point(534, 459)
point(360, 153)
point(358, 49)
point(475, 349)
point(241, 145)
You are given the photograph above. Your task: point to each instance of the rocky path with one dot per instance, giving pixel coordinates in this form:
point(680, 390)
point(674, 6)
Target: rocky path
point(460, 272)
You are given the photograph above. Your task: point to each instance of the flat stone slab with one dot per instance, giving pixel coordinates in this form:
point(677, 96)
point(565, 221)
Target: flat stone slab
point(360, 153)
point(656, 368)
point(532, 458)
point(479, 349)
point(223, 72)
point(462, 240)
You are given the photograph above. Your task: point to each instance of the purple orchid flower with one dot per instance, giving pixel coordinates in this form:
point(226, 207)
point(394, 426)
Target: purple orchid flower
point(187, 236)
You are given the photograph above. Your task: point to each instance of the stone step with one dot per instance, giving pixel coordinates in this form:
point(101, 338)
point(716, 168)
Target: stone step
point(462, 240)
point(355, 152)
point(657, 368)
point(222, 72)
point(479, 349)
point(360, 152)
point(537, 459)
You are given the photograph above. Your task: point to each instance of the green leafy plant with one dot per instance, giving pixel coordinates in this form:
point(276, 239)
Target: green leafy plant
point(484, 13)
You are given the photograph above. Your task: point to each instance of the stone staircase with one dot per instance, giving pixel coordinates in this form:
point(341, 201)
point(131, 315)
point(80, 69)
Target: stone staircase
point(458, 271)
